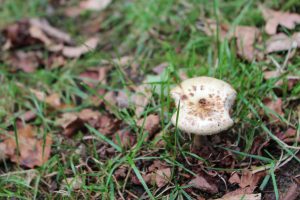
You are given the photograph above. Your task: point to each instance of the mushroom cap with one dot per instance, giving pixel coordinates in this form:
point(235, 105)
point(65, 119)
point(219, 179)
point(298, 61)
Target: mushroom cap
point(204, 105)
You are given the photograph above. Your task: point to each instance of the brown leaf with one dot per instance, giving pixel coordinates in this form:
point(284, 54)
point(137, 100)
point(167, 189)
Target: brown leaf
point(157, 164)
point(272, 74)
point(70, 122)
point(53, 100)
point(3, 148)
point(126, 137)
point(27, 116)
point(162, 177)
point(274, 105)
point(93, 76)
point(258, 144)
point(33, 151)
point(75, 52)
point(121, 172)
point(292, 193)
point(88, 114)
point(95, 4)
point(37, 33)
point(110, 101)
point(140, 99)
point(26, 61)
point(234, 178)
point(288, 136)
point(51, 31)
point(105, 123)
point(17, 35)
point(246, 37)
point(241, 196)
point(249, 179)
point(282, 42)
point(55, 61)
point(202, 184)
point(122, 99)
point(150, 124)
point(276, 18)
point(292, 80)
point(209, 27)
point(72, 182)
point(160, 68)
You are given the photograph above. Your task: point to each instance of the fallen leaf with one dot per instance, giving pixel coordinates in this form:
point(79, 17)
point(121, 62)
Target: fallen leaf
point(3, 148)
point(276, 18)
point(288, 136)
point(95, 4)
point(74, 183)
point(160, 68)
point(17, 35)
point(125, 138)
point(246, 37)
point(282, 42)
point(272, 74)
point(88, 114)
point(27, 116)
point(291, 80)
point(32, 151)
point(209, 27)
point(55, 61)
point(25, 61)
point(93, 76)
point(110, 101)
point(122, 99)
point(275, 106)
point(121, 172)
point(74, 121)
point(38, 94)
point(140, 99)
point(234, 178)
point(93, 26)
point(292, 193)
point(149, 178)
point(122, 61)
point(202, 184)
point(70, 122)
point(258, 144)
point(162, 177)
point(51, 31)
point(34, 31)
point(75, 52)
point(249, 179)
point(242, 196)
point(37, 33)
point(150, 124)
point(53, 100)
point(157, 164)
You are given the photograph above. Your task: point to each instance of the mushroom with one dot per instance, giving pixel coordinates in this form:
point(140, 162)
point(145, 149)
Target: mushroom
point(203, 104)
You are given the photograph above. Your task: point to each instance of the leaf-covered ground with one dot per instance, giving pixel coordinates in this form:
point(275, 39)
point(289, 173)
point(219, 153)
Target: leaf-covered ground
point(85, 105)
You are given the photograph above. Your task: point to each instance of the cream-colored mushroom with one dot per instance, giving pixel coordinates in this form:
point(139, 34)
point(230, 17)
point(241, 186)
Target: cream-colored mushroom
point(204, 104)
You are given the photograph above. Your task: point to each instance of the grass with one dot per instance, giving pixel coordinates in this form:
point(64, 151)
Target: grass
point(153, 32)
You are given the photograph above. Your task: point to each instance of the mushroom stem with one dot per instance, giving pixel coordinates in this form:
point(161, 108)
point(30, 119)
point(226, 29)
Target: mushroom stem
point(199, 140)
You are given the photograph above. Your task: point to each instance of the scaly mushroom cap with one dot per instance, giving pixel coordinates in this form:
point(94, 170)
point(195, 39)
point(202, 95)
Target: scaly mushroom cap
point(204, 105)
